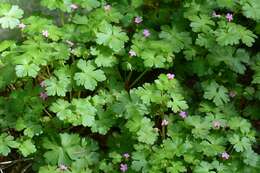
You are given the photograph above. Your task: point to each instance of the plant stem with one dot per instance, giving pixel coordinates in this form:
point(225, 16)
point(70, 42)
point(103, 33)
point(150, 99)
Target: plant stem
point(15, 161)
point(62, 18)
point(138, 78)
point(47, 112)
point(48, 71)
point(163, 132)
point(128, 80)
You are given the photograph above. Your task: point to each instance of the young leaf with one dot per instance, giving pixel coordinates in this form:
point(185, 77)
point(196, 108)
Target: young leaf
point(60, 83)
point(217, 93)
point(111, 36)
point(89, 75)
point(6, 143)
point(11, 18)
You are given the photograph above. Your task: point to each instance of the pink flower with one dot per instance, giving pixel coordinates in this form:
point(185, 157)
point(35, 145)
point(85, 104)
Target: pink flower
point(214, 14)
point(63, 167)
point(225, 155)
point(45, 33)
point(170, 76)
point(126, 155)
point(74, 6)
point(107, 7)
point(229, 17)
point(146, 33)
point(232, 94)
point(43, 95)
point(138, 19)
point(21, 26)
point(183, 114)
point(123, 167)
point(132, 53)
point(216, 124)
point(164, 122)
point(42, 84)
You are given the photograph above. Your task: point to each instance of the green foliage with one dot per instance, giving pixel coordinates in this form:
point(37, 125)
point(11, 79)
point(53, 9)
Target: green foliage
point(7, 142)
point(89, 75)
point(111, 36)
point(130, 86)
point(215, 92)
point(10, 16)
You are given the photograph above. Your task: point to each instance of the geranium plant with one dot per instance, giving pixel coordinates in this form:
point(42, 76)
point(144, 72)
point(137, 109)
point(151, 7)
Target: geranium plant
point(131, 86)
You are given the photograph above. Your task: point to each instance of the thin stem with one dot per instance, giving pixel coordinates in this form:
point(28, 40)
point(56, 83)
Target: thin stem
point(163, 132)
point(47, 112)
point(128, 80)
point(70, 96)
point(15, 161)
point(129, 75)
point(79, 93)
point(138, 78)
point(26, 168)
point(62, 18)
point(48, 71)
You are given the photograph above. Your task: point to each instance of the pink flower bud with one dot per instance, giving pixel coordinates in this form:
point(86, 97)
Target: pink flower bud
point(183, 114)
point(132, 53)
point(146, 33)
point(164, 123)
point(170, 76)
point(45, 33)
point(225, 155)
point(21, 26)
point(74, 6)
point(229, 17)
point(138, 19)
point(107, 7)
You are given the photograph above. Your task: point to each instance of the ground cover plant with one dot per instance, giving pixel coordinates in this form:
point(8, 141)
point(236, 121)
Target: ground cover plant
point(131, 86)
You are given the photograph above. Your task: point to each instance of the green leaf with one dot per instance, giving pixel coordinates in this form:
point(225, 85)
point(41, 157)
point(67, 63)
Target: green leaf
point(146, 133)
point(6, 143)
point(60, 83)
point(11, 18)
point(49, 169)
point(177, 103)
point(27, 147)
point(178, 40)
point(85, 110)
point(104, 58)
point(140, 161)
point(204, 167)
point(201, 126)
point(240, 144)
point(63, 5)
point(217, 93)
point(176, 167)
point(234, 59)
point(201, 23)
point(256, 68)
point(62, 109)
point(251, 158)
point(226, 3)
point(251, 9)
point(27, 70)
point(152, 59)
point(89, 75)
point(70, 148)
point(231, 34)
point(238, 123)
point(6, 44)
point(111, 36)
point(88, 4)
